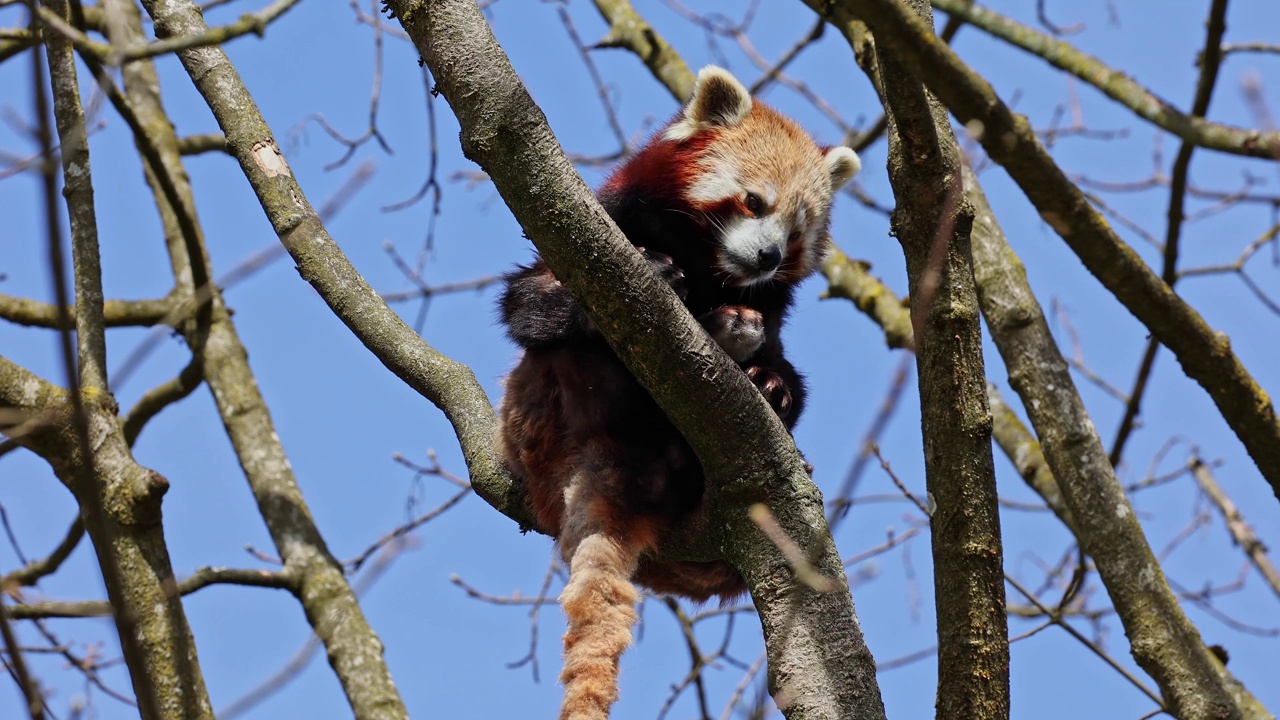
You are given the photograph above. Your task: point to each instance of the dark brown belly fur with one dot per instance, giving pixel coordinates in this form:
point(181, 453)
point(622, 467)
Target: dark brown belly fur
point(578, 410)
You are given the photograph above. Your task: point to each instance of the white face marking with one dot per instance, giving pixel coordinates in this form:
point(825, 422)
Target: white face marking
point(770, 194)
point(742, 241)
point(813, 251)
point(719, 180)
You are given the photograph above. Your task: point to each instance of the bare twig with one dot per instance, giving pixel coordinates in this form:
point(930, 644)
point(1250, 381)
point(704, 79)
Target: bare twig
point(1242, 533)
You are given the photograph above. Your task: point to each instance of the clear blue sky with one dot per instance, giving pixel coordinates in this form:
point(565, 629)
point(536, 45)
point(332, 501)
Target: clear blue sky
point(341, 415)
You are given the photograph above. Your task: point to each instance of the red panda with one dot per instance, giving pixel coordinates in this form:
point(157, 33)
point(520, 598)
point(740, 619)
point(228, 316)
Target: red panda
point(730, 203)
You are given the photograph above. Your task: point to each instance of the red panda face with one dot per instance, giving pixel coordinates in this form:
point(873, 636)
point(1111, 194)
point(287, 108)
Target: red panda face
point(759, 182)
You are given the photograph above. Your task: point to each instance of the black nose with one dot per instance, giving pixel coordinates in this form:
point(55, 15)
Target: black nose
point(770, 258)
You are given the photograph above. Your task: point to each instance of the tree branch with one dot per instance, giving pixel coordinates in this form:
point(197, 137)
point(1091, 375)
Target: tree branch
point(202, 578)
point(851, 279)
point(119, 500)
point(932, 225)
point(17, 665)
point(1204, 353)
point(1241, 532)
point(1191, 128)
point(1210, 64)
point(37, 569)
point(1162, 639)
point(199, 144)
point(161, 397)
point(628, 30)
point(331, 606)
point(115, 313)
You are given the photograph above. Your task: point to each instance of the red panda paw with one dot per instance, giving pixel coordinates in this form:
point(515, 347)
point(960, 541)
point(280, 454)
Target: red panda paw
point(739, 330)
point(667, 270)
point(773, 387)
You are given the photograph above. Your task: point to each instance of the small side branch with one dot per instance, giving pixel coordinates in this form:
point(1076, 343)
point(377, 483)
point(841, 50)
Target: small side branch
point(202, 578)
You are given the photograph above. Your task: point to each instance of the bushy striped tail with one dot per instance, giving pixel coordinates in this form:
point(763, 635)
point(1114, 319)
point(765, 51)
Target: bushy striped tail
point(599, 604)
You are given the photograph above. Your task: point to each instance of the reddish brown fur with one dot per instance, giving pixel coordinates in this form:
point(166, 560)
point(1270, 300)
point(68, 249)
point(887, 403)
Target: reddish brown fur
point(606, 472)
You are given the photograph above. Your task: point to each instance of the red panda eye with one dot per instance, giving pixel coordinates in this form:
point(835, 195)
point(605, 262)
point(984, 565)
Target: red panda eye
point(795, 235)
point(754, 203)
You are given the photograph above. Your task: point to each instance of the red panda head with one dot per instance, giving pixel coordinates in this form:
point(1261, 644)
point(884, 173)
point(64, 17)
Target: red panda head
point(758, 181)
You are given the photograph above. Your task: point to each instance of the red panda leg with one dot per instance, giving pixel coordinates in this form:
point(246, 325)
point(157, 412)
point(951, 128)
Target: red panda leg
point(598, 603)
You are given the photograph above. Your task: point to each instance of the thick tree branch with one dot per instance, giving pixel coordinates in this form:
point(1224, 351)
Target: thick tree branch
point(507, 135)
point(932, 225)
point(332, 609)
point(1204, 353)
point(119, 500)
point(78, 191)
point(1162, 639)
point(1191, 128)
point(1011, 310)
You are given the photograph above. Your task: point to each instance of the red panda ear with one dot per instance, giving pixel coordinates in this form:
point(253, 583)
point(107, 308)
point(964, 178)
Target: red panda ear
point(718, 100)
point(843, 164)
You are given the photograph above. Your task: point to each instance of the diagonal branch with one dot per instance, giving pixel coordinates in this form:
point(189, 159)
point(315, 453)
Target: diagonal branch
point(1162, 639)
point(119, 500)
point(1204, 353)
point(331, 606)
point(1191, 128)
point(31, 573)
point(1241, 532)
point(1210, 64)
point(628, 30)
